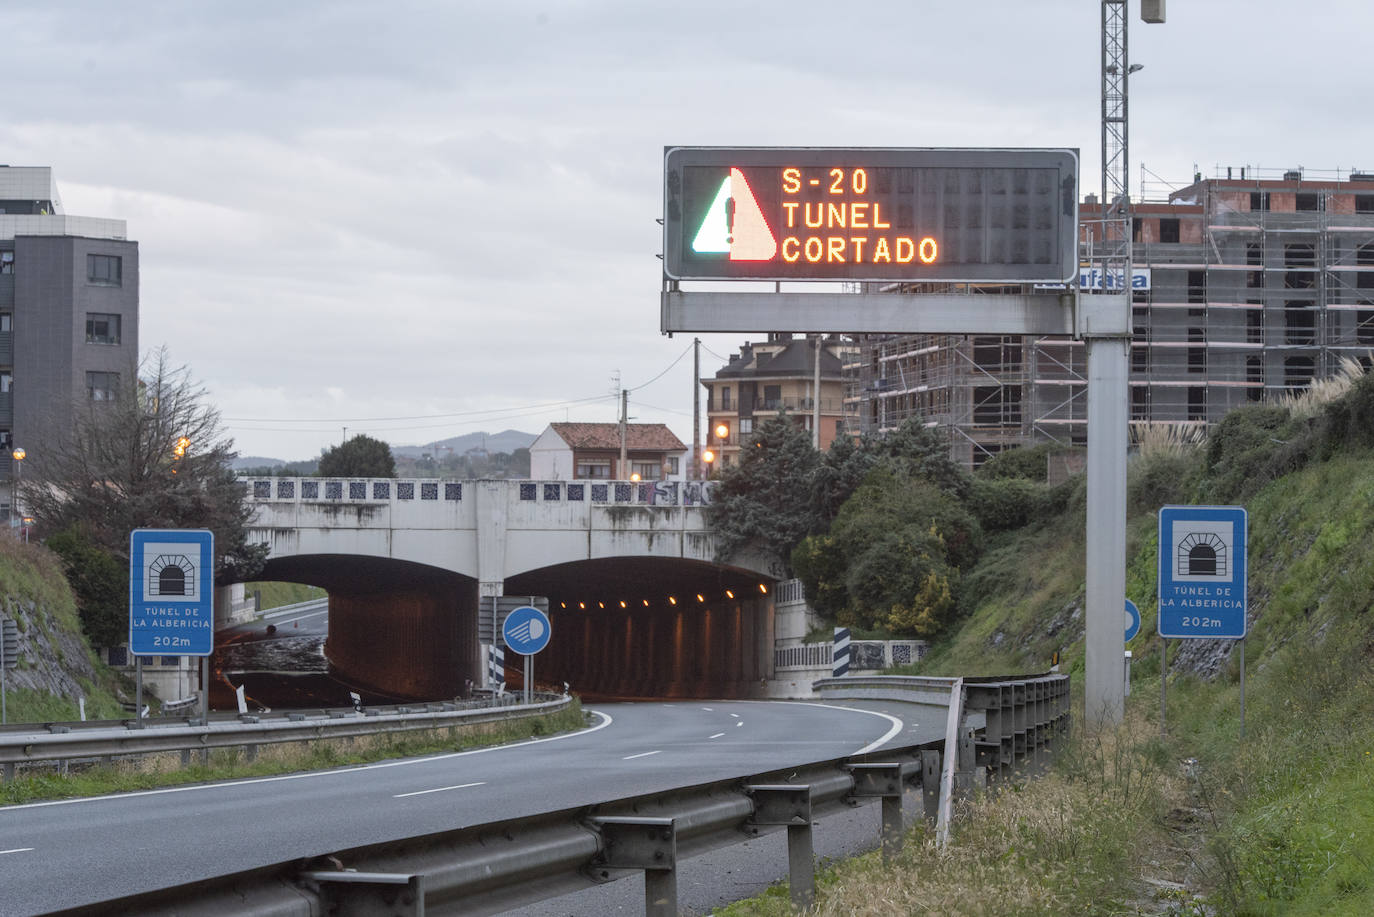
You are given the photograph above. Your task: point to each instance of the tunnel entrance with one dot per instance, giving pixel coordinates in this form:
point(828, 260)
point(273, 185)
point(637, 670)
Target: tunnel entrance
point(638, 627)
point(396, 629)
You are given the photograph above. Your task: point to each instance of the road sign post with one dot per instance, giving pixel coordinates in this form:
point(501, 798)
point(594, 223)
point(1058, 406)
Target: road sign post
point(171, 597)
point(527, 632)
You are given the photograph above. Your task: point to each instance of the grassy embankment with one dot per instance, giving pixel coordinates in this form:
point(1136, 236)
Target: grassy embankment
point(35, 594)
point(1203, 821)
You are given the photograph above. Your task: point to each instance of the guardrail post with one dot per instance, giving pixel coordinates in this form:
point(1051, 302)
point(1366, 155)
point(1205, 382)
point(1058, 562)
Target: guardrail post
point(930, 784)
point(363, 894)
point(649, 844)
point(9, 771)
point(882, 780)
point(790, 804)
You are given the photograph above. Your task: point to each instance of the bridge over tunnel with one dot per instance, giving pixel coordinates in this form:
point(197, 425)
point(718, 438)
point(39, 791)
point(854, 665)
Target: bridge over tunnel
point(622, 627)
point(641, 627)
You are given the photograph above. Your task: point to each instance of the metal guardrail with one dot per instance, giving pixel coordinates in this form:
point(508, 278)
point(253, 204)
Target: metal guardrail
point(490, 868)
point(122, 738)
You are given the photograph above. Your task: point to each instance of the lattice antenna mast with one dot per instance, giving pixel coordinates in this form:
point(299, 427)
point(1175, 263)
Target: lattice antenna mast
point(1116, 198)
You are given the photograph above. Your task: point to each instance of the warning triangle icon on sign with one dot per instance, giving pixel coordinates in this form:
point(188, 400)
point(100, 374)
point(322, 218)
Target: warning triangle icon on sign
point(734, 223)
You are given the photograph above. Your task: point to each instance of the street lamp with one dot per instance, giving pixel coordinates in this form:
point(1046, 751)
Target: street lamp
point(18, 456)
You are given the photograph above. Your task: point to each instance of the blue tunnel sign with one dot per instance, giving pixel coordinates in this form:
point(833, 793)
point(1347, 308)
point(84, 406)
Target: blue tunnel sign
point(1202, 572)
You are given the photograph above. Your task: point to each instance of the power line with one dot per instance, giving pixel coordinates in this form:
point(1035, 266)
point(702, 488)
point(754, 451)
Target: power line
point(338, 420)
point(665, 372)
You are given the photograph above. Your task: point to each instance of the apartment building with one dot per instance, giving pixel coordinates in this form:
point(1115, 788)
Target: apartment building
point(773, 377)
point(68, 315)
point(1246, 285)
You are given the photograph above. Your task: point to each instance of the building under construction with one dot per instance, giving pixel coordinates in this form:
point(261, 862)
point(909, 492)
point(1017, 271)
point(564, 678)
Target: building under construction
point(1245, 287)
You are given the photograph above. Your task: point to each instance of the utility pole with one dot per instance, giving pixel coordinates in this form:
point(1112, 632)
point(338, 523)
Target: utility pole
point(816, 398)
point(624, 416)
point(696, 409)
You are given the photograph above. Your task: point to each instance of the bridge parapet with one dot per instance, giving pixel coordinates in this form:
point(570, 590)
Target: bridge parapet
point(431, 490)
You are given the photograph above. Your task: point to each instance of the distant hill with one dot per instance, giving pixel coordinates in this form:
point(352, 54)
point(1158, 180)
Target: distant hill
point(505, 441)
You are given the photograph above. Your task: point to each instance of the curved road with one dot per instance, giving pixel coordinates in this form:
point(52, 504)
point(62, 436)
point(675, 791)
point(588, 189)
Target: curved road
point(71, 852)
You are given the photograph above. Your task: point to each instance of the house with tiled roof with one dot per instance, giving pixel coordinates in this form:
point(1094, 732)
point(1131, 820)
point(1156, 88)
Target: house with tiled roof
point(591, 451)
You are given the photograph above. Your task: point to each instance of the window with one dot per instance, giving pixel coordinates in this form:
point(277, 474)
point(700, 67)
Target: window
point(1168, 230)
point(1308, 200)
point(6, 381)
point(1301, 326)
point(1299, 254)
point(1364, 256)
point(102, 386)
point(593, 469)
point(1259, 200)
point(725, 398)
point(102, 328)
point(1254, 253)
point(746, 425)
point(1297, 373)
point(1197, 402)
point(104, 269)
point(1140, 359)
point(6, 262)
point(673, 464)
point(1197, 356)
point(6, 322)
point(1254, 326)
point(1140, 402)
point(1254, 369)
point(1364, 203)
point(772, 397)
point(1364, 327)
point(647, 471)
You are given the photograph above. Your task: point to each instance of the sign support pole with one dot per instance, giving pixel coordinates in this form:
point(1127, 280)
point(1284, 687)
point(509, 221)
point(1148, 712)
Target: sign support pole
point(529, 677)
point(205, 690)
point(1108, 365)
point(1163, 684)
point(1242, 687)
point(138, 692)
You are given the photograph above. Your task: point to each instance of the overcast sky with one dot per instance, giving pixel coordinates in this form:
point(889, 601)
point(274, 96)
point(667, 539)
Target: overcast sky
point(422, 219)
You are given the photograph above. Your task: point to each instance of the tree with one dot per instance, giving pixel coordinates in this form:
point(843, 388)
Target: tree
point(154, 456)
point(100, 583)
point(892, 558)
point(359, 457)
point(764, 501)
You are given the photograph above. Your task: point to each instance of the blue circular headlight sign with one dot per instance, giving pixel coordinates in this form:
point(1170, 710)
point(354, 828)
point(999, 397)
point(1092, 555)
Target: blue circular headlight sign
point(526, 630)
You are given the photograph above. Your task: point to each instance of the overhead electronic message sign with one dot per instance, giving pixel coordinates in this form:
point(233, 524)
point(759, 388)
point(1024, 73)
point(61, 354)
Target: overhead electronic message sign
point(773, 213)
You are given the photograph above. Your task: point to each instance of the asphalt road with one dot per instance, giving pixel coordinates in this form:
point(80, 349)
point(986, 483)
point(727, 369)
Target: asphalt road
point(71, 852)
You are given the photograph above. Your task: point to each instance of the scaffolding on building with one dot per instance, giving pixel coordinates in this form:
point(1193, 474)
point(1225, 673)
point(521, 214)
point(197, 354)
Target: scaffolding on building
point(1270, 287)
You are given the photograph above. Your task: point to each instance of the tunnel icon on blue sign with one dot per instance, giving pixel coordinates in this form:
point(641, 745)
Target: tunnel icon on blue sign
point(172, 575)
point(1202, 554)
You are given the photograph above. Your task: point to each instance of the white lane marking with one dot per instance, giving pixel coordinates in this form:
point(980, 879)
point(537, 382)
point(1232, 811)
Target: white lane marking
point(16, 850)
point(740, 723)
point(438, 789)
point(871, 746)
point(716, 736)
point(643, 754)
point(735, 715)
point(709, 709)
point(405, 762)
